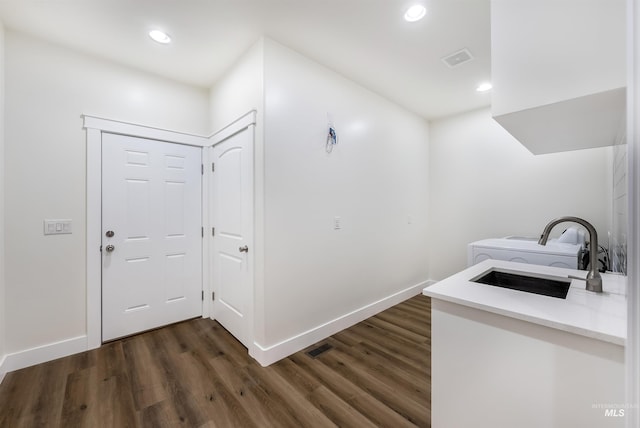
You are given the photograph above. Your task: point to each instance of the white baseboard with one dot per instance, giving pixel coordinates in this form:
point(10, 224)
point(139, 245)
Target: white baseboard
point(270, 354)
point(264, 355)
point(3, 371)
point(42, 354)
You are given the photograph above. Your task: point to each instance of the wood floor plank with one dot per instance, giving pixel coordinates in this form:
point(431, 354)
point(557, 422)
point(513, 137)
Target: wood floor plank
point(405, 320)
point(409, 352)
point(212, 330)
point(19, 403)
point(195, 374)
point(208, 392)
point(398, 330)
point(329, 378)
point(81, 406)
point(254, 401)
point(418, 308)
point(109, 360)
point(414, 311)
point(403, 404)
point(300, 379)
point(419, 305)
point(330, 404)
point(120, 412)
point(147, 381)
point(183, 405)
point(48, 392)
point(388, 334)
point(404, 383)
point(419, 301)
point(408, 311)
point(339, 412)
point(348, 337)
point(419, 371)
point(287, 397)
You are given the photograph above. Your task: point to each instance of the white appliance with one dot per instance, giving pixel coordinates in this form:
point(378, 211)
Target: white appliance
point(565, 251)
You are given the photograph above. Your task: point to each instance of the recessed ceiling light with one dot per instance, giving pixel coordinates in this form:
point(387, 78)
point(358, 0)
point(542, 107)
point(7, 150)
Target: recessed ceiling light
point(415, 13)
point(484, 87)
point(160, 36)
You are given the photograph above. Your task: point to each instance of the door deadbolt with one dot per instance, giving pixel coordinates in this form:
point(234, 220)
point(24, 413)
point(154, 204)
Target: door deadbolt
point(109, 248)
point(109, 233)
point(244, 249)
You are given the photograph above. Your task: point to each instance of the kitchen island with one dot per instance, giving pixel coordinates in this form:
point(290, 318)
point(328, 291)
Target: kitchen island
point(507, 358)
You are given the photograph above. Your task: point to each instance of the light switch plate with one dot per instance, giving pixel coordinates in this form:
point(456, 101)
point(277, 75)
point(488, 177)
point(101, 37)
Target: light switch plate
point(57, 227)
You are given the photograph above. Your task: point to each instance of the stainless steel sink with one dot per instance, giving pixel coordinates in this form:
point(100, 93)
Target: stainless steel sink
point(551, 286)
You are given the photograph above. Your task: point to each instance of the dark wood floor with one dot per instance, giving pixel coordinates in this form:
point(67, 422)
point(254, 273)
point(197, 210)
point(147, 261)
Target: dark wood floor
point(195, 374)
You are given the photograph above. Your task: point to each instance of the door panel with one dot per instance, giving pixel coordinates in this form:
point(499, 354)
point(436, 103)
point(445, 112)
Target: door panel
point(232, 216)
point(151, 200)
point(231, 295)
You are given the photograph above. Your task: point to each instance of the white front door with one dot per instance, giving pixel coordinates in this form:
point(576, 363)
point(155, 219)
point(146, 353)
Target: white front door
point(151, 234)
point(232, 219)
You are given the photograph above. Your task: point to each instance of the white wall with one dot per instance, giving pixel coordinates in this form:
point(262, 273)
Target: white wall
point(2, 233)
point(374, 180)
point(307, 274)
point(632, 348)
point(485, 184)
point(47, 90)
point(239, 91)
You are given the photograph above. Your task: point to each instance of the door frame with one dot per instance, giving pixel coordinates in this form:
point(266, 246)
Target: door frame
point(95, 127)
point(632, 349)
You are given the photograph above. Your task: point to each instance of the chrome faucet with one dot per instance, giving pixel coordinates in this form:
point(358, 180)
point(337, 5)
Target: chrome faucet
point(593, 279)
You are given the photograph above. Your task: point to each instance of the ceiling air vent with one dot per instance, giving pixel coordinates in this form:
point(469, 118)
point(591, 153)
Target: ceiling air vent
point(457, 58)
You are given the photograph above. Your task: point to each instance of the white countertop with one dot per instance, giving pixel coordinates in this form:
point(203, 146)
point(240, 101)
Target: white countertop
point(600, 316)
point(530, 246)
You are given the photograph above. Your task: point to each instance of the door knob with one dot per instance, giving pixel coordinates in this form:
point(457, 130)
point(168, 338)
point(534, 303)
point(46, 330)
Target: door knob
point(244, 249)
point(110, 248)
point(109, 233)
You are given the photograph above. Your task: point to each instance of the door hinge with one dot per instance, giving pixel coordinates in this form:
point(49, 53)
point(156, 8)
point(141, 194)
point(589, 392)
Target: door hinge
point(213, 295)
point(202, 169)
point(213, 167)
point(202, 295)
point(202, 231)
point(213, 231)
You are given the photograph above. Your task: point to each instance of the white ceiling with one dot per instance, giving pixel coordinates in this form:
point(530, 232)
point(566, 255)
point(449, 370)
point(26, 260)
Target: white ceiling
point(365, 40)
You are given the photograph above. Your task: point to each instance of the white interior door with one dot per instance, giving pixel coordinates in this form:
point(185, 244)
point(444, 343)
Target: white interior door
point(232, 219)
point(151, 234)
